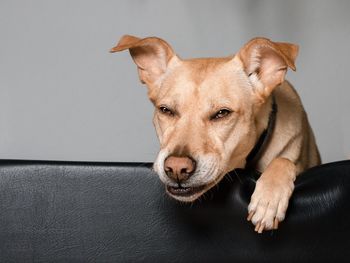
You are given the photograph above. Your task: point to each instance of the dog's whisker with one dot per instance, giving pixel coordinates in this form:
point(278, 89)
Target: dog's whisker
point(192, 204)
point(239, 178)
point(228, 177)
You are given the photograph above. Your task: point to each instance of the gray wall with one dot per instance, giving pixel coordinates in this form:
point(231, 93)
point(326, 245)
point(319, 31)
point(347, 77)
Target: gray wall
point(64, 97)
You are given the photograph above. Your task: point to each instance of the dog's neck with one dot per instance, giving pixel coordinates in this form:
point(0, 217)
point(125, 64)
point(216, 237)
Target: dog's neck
point(267, 124)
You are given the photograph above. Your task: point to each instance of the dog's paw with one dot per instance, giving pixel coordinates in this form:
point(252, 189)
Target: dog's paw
point(269, 202)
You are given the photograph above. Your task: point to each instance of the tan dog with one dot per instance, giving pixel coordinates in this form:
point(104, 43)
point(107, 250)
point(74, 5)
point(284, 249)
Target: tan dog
point(211, 112)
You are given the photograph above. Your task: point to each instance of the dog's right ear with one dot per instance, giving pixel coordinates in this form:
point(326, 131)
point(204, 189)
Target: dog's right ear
point(266, 62)
point(151, 55)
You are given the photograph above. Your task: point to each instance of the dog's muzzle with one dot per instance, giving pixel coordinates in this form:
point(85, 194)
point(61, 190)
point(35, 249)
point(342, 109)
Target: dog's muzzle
point(179, 169)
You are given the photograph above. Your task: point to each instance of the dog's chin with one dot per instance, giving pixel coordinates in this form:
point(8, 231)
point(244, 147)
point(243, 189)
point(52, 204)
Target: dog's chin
point(187, 194)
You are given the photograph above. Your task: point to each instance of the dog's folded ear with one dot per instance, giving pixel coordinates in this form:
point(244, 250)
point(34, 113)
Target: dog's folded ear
point(266, 63)
point(151, 55)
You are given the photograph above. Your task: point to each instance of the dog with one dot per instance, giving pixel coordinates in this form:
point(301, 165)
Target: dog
point(213, 115)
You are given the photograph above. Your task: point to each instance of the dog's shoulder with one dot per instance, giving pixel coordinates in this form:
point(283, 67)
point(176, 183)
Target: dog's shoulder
point(286, 95)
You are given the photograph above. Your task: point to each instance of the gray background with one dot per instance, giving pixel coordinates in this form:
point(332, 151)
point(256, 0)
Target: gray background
point(64, 97)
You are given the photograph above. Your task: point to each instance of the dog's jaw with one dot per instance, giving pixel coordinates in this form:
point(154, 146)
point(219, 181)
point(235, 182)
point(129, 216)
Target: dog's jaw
point(188, 198)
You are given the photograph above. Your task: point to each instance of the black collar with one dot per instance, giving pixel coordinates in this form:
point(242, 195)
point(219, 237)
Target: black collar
point(264, 137)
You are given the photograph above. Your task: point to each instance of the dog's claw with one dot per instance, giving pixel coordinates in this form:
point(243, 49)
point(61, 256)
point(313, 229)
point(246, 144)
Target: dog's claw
point(250, 215)
point(257, 227)
point(275, 224)
point(261, 228)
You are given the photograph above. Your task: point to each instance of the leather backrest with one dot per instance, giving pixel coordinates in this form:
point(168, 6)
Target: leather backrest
point(119, 212)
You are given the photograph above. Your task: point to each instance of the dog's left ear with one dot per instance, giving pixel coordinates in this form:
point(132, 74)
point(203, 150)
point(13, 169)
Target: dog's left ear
point(151, 55)
point(266, 62)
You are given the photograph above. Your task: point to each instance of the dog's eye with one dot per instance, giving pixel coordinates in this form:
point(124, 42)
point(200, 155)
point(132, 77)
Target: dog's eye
point(221, 114)
point(165, 110)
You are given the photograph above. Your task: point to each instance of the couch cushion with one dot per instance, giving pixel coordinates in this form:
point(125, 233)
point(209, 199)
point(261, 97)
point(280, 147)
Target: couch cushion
point(119, 212)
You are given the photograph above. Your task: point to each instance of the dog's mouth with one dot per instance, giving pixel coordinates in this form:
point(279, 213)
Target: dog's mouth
point(181, 191)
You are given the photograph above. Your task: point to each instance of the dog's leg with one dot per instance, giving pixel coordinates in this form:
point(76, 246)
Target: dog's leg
point(271, 196)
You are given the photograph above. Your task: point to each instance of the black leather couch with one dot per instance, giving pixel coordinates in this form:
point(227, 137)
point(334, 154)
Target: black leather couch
point(119, 212)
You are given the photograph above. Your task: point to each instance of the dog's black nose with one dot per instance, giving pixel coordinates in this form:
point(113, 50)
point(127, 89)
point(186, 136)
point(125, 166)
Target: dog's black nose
point(179, 168)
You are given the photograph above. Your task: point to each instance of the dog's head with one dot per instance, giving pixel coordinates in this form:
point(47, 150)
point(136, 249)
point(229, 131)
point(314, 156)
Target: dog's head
point(209, 111)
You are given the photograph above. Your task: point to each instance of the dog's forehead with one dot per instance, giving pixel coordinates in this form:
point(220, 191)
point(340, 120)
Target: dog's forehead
point(214, 79)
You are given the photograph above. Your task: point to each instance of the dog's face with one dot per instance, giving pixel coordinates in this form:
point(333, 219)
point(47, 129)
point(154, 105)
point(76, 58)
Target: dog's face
point(203, 120)
point(206, 109)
